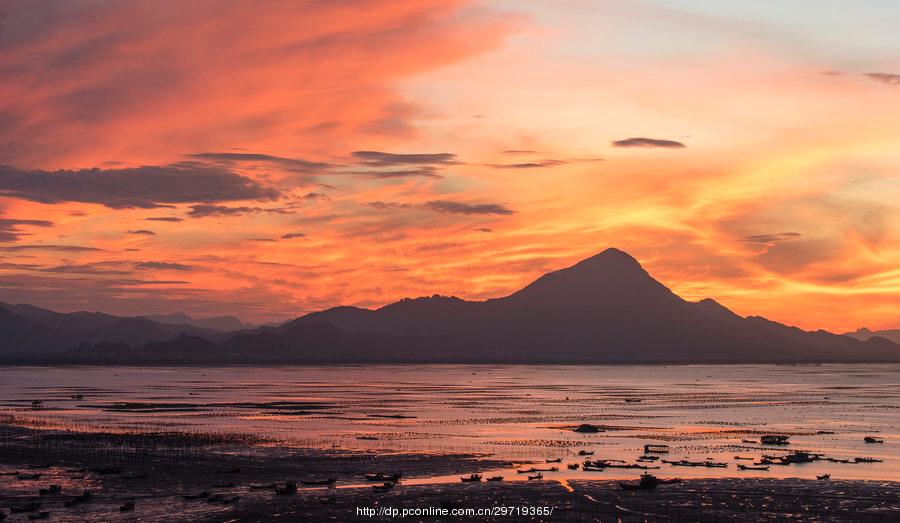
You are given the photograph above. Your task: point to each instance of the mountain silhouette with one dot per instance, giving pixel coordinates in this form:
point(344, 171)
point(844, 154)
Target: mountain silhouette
point(865, 334)
point(604, 309)
point(219, 323)
point(28, 329)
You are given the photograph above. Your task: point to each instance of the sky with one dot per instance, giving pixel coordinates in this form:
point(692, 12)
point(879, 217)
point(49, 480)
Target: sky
point(268, 159)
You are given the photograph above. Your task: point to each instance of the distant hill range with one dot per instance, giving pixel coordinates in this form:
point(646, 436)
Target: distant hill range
point(864, 334)
point(605, 309)
point(219, 323)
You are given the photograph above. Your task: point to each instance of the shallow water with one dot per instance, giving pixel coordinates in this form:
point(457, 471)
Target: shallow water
point(520, 413)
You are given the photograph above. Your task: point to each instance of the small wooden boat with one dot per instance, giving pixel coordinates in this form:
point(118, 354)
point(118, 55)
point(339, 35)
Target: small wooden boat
point(31, 506)
point(384, 487)
point(743, 457)
point(52, 489)
point(536, 476)
point(824, 476)
point(471, 478)
point(585, 452)
point(551, 469)
point(106, 471)
point(384, 477)
point(268, 486)
point(320, 482)
point(290, 487)
point(658, 449)
point(873, 439)
point(128, 506)
point(748, 467)
point(523, 471)
point(713, 464)
point(774, 439)
point(84, 497)
point(647, 458)
point(199, 495)
point(867, 460)
point(557, 460)
point(572, 466)
point(220, 498)
point(141, 475)
point(28, 476)
point(495, 478)
point(647, 482)
point(749, 441)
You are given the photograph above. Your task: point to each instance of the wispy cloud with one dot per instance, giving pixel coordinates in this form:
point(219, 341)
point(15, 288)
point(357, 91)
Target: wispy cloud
point(135, 187)
point(649, 143)
point(10, 229)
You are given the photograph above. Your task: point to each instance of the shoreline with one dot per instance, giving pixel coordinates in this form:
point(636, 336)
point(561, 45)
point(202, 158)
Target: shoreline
point(157, 478)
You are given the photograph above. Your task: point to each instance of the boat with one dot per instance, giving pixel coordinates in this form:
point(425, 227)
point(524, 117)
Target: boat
point(220, 498)
point(289, 487)
point(585, 452)
point(647, 458)
point(84, 497)
point(557, 460)
point(128, 506)
point(199, 495)
point(329, 481)
point(657, 449)
point(749, 441)
point(713, 464)
point(384, 477)
point(743, 457)
point(551, 469)
point(536, 476)
point(647, 482)
point(471, 478)
point(774, 439)
point(529, 471)
point(28, 476)
point(384, 487)
point(824, 476)
point(268, 486)
point(748, 467)
point(52, 489)
point(31, 506)
point(867, 460)
point(572, 466)
point(591, 468)
point(142, 475)
point(106, 471)
point(873, 439)
point(495, 478)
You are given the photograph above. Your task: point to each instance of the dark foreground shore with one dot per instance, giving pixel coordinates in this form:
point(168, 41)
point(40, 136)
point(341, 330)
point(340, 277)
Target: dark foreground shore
point(157, 472)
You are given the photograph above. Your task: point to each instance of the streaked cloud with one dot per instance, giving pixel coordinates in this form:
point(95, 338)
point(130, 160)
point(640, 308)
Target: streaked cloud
point(648, 143)
point(134, 187)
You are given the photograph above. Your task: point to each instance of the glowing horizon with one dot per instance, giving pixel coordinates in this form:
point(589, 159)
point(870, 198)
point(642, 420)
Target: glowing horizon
point(269, 161)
